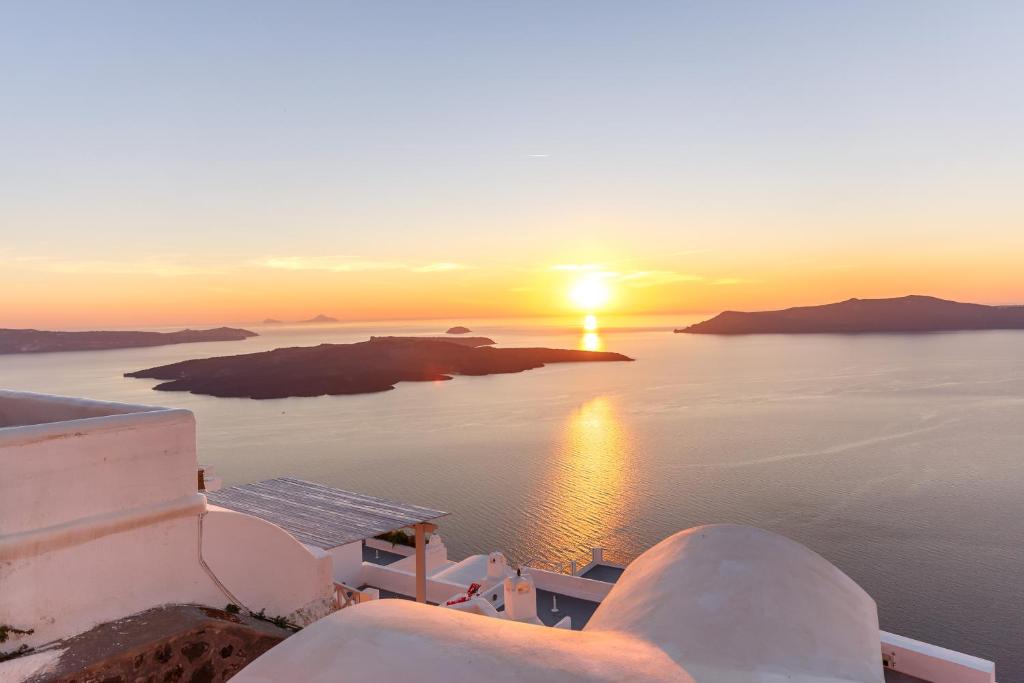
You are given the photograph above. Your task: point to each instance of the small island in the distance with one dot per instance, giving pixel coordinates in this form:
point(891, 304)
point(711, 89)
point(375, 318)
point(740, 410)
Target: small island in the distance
point(458, 329)
point(913, 313)
point(43, 341)
point(320, 319)
point(315, 319)
point(363, 367)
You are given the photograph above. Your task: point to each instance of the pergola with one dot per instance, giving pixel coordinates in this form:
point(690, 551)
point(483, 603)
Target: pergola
point(324, 517)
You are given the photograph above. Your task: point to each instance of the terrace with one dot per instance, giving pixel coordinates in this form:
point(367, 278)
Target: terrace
point(347, 526)
point(336, 522)
point(125, 520)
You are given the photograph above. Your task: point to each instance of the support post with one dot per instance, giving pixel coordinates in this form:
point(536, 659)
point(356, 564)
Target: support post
point(421, 530)
point(421, 564)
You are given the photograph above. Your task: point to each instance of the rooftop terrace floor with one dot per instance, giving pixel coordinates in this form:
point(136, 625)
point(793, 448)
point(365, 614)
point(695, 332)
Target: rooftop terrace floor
point(579, 610)
point(381, 557)
point(603, 572)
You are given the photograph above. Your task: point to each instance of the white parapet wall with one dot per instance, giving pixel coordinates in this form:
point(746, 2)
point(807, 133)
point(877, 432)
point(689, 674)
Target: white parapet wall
point(348, 563)
point(933, 663)
point(567, 584)
point(404, 583)
point(100, 515)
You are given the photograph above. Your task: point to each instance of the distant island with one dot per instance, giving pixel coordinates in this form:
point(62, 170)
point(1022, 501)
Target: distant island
point(42, 341)
point(363, 367)
point(458, 329)
point(316, 319)
point(913, 313)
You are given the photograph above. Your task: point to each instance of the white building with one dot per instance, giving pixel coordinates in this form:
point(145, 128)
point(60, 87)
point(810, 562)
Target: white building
point(100, 517)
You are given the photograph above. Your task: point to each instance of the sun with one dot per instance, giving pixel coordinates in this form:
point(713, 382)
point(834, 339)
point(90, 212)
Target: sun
point(590, 293)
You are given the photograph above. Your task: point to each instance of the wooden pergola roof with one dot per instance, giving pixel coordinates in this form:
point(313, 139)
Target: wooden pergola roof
point(318, 515)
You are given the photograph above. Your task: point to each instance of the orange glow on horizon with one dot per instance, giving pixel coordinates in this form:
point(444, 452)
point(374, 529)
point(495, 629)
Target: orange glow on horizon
point(70, 294)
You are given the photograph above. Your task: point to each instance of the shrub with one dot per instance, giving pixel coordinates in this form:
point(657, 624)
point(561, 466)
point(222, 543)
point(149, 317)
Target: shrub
point(398, 537)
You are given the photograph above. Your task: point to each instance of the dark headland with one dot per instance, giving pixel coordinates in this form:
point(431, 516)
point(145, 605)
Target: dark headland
point(461, 341)
point(904, 314)
point(363, 367)
point(42, 341)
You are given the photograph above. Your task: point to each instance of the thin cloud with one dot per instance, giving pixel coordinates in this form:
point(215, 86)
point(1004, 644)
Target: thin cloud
point(653, 278)
point(332, 264)
point(634, 278)
point(352, 264)
point(442, 267)
point(160, 266)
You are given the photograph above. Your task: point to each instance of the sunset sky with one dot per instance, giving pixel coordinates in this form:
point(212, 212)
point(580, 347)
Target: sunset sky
point(212, 162)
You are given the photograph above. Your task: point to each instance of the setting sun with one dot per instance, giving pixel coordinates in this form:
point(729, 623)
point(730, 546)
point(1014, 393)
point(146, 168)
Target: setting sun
point(590, 293)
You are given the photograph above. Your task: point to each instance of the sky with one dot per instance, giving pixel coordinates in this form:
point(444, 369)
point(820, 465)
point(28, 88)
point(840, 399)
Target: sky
point(208, 162)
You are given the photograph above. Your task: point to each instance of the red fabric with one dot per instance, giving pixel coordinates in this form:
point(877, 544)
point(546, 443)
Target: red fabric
point(473, 589)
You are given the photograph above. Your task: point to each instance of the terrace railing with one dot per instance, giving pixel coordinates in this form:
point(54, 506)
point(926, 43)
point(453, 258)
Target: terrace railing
point(346, 596)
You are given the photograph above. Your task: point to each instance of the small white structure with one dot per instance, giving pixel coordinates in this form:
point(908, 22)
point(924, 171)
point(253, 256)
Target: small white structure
point(101, 517)
point(521, 599)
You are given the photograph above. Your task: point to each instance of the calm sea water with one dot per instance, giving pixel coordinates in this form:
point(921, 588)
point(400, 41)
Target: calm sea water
point(897, 457)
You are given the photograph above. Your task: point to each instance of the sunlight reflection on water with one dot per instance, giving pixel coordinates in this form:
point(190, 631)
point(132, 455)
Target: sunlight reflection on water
point(590, 483)
point(591, 341)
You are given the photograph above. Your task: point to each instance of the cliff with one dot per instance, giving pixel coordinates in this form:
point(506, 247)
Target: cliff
point(904, 314)
point(40, 341)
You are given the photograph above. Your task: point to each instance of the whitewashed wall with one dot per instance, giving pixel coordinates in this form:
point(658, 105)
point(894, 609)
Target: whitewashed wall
point(348, 564)
point(567, 584)
point(99, 519)
point(404, 582)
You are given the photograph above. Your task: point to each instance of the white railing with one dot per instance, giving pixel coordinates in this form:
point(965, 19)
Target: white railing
point(346, 596)
point(548, 565)
point(567, 584)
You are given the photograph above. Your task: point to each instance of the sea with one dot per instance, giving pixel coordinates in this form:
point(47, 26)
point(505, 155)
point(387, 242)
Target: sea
point(898, 457)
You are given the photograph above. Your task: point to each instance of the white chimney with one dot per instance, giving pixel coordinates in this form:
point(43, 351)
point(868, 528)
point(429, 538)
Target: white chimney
point(521, 599)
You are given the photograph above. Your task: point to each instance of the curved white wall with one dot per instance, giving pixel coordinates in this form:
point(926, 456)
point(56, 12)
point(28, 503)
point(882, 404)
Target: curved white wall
point(265, 567)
